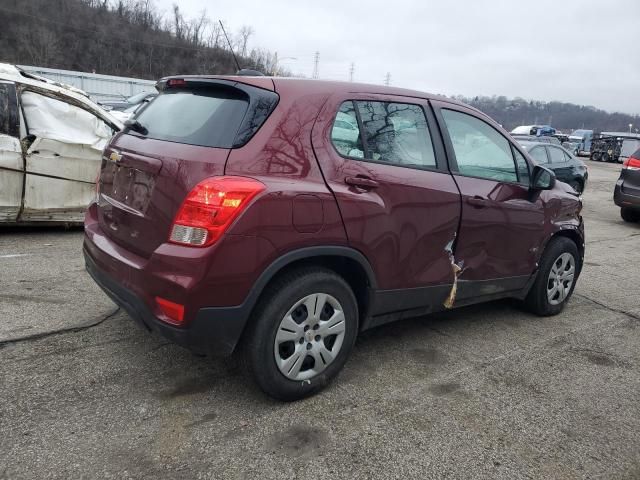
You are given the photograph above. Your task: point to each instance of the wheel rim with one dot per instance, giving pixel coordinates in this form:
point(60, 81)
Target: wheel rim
point(309, 336)
point(561, 278)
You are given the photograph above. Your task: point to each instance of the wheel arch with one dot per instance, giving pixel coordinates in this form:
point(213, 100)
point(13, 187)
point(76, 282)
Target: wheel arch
point(347, 262)
point(572, 234)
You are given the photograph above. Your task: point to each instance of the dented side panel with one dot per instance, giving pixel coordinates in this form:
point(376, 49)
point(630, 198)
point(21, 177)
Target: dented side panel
point(55, 200)
point(11, 178)
point(63, 160)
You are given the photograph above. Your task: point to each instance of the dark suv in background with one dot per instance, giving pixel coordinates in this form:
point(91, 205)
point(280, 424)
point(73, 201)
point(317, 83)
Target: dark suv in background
point(285, 216)
point(626, 194)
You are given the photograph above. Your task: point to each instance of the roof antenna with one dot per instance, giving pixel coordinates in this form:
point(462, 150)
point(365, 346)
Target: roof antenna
point(230, 47)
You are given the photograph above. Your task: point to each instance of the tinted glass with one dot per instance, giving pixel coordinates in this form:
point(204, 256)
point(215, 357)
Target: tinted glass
point(557, 155)
point(397, 133)
point(345, 134)
point(539, 155)
point(206, 117)
point(8, 110)
point(523, 168)
point(480, 150)
point(567, 157)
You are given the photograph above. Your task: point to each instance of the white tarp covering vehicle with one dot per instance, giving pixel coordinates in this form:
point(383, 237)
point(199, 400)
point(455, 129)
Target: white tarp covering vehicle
point(51, 141)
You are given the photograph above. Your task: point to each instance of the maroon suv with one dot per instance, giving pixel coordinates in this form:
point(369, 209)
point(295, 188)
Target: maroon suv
point(285, 216)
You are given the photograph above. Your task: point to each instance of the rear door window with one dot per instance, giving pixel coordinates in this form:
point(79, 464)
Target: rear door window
point(345, 133)
point(479, 149)
point(206, 117)
point(392, 133)
point(397, 133)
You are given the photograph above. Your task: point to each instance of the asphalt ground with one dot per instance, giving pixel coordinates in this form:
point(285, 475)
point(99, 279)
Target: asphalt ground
point(482, 392)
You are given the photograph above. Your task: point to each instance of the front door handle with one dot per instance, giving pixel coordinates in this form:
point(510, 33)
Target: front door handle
point(361, 182)
point(477, 201)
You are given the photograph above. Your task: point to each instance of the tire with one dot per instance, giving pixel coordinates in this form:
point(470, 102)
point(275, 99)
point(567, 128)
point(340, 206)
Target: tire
point(576, 185)
point(629, 215)
point(606, 157)
point(274, 343)
point(539, 300)
point(596, 156)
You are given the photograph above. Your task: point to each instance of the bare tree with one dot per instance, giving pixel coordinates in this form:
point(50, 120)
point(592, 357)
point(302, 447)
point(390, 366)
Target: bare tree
point(244, 34)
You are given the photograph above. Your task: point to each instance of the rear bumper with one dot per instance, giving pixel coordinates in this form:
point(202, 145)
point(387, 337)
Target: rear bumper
point(214, 331)
point(623, 199)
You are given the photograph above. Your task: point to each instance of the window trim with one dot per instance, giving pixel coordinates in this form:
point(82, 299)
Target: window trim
point(430, 122)
point(513, 154)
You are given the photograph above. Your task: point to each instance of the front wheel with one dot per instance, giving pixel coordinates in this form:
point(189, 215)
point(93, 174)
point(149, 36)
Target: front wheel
point(557, 273)
point(302, 333)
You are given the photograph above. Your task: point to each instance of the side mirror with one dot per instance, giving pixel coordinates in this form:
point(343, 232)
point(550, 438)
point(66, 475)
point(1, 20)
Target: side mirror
point(543, 178)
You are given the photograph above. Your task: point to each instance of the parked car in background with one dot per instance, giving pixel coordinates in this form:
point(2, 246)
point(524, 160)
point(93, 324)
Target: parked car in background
point(127, 103)
point(568, 169)
point(536, 130)
point(51, 142)
point(580, 142)
point(629, 146)
point(237, 210)
point(626, 194)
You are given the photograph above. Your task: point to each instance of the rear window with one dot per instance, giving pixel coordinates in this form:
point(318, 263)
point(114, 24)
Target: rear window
point(205, 117)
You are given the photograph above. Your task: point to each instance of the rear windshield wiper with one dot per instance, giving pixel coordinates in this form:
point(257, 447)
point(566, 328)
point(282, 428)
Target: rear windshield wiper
point(136, 126)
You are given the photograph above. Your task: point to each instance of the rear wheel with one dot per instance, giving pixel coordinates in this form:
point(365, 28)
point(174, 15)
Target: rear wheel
point(302, 333)
point(606, 157)
point(629, 215)
point(559, 268)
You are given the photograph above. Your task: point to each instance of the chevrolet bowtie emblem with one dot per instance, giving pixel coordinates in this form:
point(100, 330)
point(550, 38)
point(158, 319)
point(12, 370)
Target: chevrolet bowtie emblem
point(115, 157)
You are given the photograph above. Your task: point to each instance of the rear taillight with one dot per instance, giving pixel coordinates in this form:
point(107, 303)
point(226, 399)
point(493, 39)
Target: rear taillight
point(632, 163)
point(210, 208)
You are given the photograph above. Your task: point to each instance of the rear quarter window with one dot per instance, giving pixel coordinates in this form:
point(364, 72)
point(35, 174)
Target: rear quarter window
point(206, 117)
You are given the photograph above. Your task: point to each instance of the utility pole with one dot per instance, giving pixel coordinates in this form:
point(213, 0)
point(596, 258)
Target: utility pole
point(351, 70)
point(316, 63)
point(387, 79)
point(274, 69)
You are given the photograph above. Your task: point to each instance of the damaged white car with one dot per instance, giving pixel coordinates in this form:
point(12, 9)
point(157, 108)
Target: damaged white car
point(51, 142)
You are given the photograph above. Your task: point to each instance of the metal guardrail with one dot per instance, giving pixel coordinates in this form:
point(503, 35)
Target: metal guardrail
point(98, 86)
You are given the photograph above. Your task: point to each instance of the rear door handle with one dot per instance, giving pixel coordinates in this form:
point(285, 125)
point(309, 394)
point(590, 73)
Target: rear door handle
point(362, 182)
point(477, 201)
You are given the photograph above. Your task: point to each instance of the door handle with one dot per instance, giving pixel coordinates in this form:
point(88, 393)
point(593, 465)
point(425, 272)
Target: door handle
point(361, 182)
point(477, 201)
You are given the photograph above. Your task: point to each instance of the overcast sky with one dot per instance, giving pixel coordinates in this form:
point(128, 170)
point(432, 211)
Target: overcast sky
point(584, 52)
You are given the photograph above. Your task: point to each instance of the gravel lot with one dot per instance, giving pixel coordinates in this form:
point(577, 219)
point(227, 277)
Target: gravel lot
point(481, 392)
